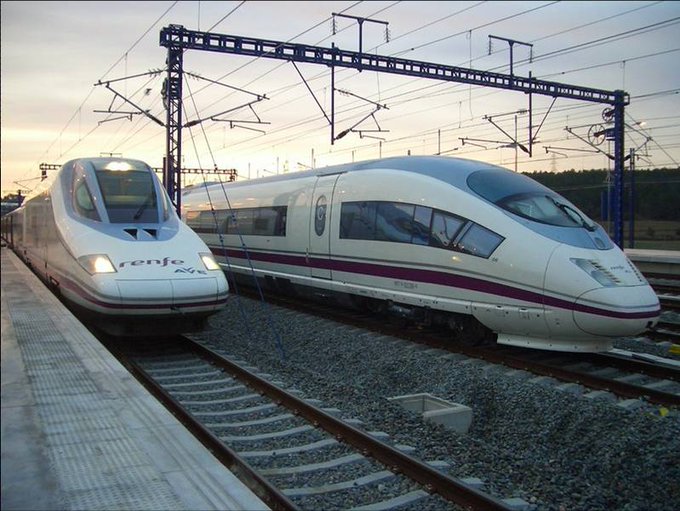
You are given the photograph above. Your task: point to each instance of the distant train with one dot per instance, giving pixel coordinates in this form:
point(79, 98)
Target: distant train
point(103, 233)
point(438, 239)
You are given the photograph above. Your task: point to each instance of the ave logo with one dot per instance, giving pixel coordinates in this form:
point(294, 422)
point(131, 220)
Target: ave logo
point(190, 270)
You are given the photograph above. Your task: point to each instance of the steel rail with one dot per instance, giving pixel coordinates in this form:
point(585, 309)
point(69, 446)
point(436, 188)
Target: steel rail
point(496, 355)
point(260, 486)
point(619, 388)
point(398, 462)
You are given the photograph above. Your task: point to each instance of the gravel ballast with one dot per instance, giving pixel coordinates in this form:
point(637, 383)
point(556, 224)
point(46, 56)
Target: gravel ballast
point(555, 449)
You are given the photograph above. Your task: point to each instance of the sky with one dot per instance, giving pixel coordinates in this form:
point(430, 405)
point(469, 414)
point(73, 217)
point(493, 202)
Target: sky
point(269, 117)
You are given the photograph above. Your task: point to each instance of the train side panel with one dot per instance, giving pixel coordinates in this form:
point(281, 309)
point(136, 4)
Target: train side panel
point(440, 278)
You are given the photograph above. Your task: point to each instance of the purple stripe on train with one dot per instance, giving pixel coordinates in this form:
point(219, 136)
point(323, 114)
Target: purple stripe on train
point(428, 277)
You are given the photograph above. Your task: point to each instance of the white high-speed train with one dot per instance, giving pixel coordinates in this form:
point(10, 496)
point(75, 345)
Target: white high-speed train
point(103, 233)
point(440, 239)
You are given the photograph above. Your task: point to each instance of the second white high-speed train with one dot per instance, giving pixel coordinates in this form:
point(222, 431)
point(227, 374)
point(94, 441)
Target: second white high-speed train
point(104, 235)
point(442, 239)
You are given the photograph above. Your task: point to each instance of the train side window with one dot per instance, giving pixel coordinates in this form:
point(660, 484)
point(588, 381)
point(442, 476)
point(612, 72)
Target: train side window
point(206, 222)
point(265, 221)
point(230, 226)
point(394, 222)
point(166, 205)
point(83, 200)
point(219, 223)
point(422, 218)
point(357, 220)
point(193, 220)
point(281, 220)
point(479, 241)
point(445, 227)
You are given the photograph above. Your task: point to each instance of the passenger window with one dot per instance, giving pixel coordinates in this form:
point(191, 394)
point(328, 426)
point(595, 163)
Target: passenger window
point(231, 227)
point(265, 221)
point(193, 219)
point(357, 220)
point(394, 222)
point(479, 241)
point(206, 222)
point(445, 227)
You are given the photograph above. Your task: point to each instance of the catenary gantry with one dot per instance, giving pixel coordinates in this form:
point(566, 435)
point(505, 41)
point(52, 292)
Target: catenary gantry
point(176, 39)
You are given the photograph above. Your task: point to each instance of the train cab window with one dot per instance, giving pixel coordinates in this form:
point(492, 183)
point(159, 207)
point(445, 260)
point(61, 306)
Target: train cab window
point(525, 197)
point(166, 206)
point(478, 241)
point(129, 195)
point(445, 228)
point(82, 199)
point(394, 222)
point(421, 226)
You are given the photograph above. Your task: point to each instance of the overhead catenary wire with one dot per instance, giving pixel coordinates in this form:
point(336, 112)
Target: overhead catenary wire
point(134, 138)
point(270, 317)
point(616, 35)
point(92, 89)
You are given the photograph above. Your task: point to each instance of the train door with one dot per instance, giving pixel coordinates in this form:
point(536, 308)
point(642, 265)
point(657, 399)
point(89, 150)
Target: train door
point(319, 254)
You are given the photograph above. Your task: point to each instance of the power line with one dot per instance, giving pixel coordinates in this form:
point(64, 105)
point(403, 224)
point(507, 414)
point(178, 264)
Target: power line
point(87, 97)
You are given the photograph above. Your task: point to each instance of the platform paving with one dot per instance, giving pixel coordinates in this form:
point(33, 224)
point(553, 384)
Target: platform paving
point(79, 432)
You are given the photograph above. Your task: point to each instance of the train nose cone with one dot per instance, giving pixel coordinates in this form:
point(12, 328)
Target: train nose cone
point(617, 311)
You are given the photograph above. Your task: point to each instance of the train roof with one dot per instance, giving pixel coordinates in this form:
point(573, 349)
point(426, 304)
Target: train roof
point(491, 183)
point(453, 171)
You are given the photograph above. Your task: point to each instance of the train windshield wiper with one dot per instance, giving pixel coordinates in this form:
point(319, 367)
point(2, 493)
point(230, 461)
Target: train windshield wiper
point(573, 215)
point(144, 205)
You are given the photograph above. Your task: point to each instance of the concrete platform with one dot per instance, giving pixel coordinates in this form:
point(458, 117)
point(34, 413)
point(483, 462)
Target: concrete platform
point(78, 432)
point(663, 262)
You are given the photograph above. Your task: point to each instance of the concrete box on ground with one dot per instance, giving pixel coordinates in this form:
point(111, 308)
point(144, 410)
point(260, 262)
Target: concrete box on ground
point(453, 416)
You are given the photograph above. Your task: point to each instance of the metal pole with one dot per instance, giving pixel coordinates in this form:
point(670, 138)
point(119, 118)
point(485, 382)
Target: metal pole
point(619, 107)
point(333, 98)
point(631, 201)
point(173, 126)
point(515, 143)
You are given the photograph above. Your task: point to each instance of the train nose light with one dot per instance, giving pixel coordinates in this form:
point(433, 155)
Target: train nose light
point(118, 166)
point(97, 263)
point(209, 262)
point(597, 272)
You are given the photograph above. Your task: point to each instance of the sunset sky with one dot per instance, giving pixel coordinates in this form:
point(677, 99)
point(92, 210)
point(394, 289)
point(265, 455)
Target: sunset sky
point(55, 53)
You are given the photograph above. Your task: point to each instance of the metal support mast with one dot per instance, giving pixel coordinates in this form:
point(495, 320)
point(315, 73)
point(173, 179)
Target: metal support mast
point(619, 135)
point(172, 95)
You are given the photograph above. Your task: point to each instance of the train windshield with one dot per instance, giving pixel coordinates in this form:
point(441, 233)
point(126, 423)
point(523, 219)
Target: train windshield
point(525, 197)
point(128, 192)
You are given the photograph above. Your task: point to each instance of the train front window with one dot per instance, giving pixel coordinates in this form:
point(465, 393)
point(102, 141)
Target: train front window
point(129, 194)
point(525, 197)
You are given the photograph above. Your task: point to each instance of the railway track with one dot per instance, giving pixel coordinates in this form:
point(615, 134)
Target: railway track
point(665, 331)
point(619, 372)
point(668, 292)
point(623, 374)
point(290, 451)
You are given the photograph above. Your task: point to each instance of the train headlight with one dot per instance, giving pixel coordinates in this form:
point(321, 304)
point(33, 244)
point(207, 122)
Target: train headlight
point(597, 272)
point(209, 262)
point(96, 263)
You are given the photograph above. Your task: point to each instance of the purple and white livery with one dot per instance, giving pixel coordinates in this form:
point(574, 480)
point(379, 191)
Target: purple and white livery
point(441, 239)
point(103, 233)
